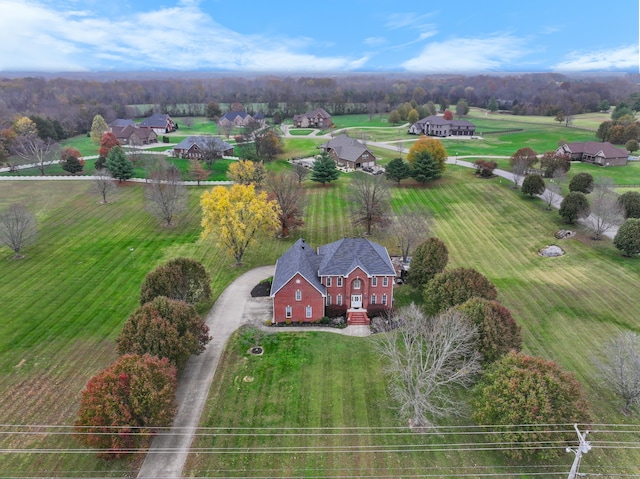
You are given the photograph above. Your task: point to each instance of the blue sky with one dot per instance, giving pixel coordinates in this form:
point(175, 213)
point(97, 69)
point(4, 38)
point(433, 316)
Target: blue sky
point(249, 36)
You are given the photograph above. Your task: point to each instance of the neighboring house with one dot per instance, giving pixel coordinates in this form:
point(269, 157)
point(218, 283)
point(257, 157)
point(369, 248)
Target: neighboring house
point(195, 147)
point(596, 152)
point(349, 152)
point(437, 126)
point(239, 119)
point(161, 123)
point(317, 118)
point(352, 276)
point(134, 136)
point(121, 123)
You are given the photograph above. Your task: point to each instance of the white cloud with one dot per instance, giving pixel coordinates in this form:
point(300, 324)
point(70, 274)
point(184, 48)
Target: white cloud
point(462, 55)
point(374, 41)
point(623, 58)
point(44, 38)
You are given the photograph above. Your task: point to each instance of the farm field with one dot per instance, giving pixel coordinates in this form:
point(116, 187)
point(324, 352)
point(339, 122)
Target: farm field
point(566, 306)
point(64, 304)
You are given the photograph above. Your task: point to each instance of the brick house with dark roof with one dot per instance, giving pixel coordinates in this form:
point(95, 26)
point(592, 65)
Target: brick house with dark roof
point(240, 119)
point(437, 126)
point(317, 118)
point(349, 152)
point(194, 147)
point(352, 276)
point(596, 152)
point(160, 123)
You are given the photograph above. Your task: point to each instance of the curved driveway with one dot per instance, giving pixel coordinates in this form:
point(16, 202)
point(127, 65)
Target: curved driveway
point(169, 450)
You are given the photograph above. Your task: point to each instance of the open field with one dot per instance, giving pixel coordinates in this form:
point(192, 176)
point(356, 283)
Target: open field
point(64, 304)
point(566, 306)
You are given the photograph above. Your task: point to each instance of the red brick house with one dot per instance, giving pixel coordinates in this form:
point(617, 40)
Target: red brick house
point(317, 118)
point(352, 276)
point(160, 123)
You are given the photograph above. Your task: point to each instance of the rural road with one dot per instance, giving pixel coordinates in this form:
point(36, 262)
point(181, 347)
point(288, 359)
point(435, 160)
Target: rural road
point(169, 450)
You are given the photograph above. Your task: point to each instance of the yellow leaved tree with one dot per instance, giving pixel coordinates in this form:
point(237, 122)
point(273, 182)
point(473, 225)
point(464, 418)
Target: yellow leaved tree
point(431, 145)
point(247, 172)
point(238, 216)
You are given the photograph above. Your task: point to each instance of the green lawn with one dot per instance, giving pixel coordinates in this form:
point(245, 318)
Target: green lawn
point(300, 131)
point(64, 304)
point(566, 306)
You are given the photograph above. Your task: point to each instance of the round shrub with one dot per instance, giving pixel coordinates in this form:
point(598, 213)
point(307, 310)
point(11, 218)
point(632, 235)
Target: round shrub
point(183, 279)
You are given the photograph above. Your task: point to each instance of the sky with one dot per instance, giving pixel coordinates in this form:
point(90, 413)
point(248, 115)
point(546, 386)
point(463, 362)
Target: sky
point(283, 36)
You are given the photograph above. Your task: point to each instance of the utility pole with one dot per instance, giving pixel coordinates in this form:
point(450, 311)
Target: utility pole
point(583, 448)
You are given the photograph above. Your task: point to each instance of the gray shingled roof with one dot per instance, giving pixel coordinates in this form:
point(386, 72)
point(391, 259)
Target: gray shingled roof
point(158, 120)
point(300, 258)
point(346, 148)
point(341, 257)
point(121, 123)
point(202, 141)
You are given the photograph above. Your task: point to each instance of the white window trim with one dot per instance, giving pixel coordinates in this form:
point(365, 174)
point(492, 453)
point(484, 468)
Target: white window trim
point(339, 300)
point(339, 282)
point(373, 299)
point(385, 281)
point(298, 295)
point(374, 281)
point(329, 281)
point(384, 299)
point(288, 312)
point(308, 311)
point(328, 301)
point(357, 283)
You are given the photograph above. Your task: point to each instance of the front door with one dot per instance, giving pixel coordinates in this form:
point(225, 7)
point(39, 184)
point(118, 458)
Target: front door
point(356, 301)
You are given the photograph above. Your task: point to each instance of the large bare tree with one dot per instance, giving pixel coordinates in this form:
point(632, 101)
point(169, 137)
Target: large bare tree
point(166, 195)
point(619, 368)
point(103, 185)
point(301, 172)
point(18, 228)
point(427, 360)
point(290, 195)
point(33, 149)
point(409, 229)
point(370, 201)
point(606, 210)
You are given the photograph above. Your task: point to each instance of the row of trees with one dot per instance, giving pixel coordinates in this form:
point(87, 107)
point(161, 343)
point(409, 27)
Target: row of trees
point(70, 104)
point(122, 406)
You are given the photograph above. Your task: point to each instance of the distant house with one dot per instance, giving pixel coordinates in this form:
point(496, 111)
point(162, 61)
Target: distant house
point(161, 123)
point(349, 152)
point(239, 119)
point(195, 147)
point(596, 152)
point(437, 126)
point(121, 123)
point(352, 276)
point(134, 136)
point(317, 118)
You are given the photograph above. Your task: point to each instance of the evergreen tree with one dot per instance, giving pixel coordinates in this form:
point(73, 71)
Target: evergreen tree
point(532, 185)
point(398, 170)
point(425, 168)
point(118, 164)
point(324, 170)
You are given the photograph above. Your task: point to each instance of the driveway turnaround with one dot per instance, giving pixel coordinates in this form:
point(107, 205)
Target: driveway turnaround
point(169, 450)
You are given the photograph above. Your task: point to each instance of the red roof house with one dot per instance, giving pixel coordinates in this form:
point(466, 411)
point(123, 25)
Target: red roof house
point(352, 276)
